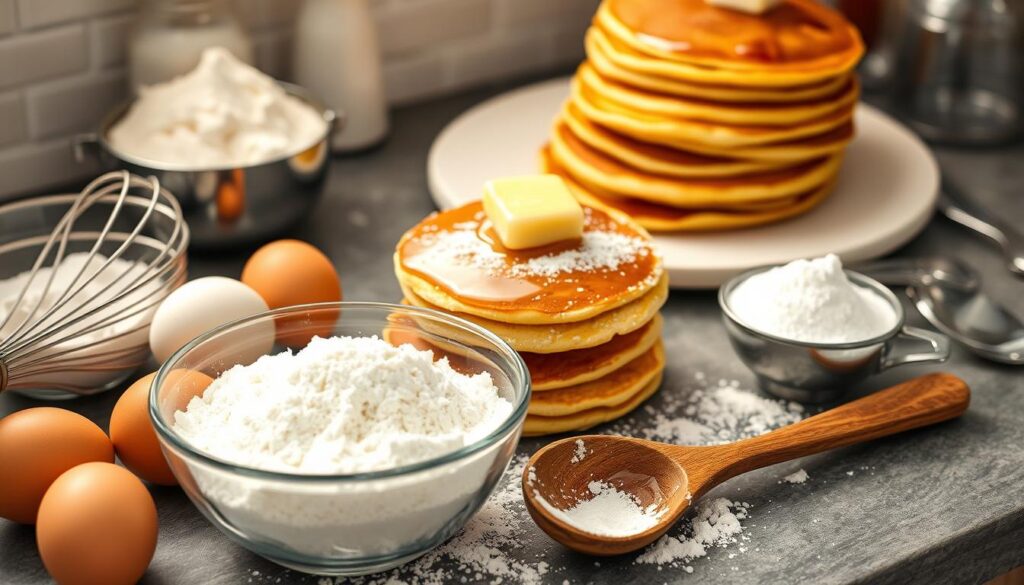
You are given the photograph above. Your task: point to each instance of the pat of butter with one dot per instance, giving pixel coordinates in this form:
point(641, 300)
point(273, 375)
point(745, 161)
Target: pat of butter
point(532, 211)
point(748, 6)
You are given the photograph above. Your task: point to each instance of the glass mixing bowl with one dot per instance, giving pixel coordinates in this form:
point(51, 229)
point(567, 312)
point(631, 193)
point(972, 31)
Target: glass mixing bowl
point(340, 524)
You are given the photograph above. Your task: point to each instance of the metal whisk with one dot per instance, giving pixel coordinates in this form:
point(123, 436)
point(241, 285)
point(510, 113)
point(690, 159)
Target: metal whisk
point(80, 322)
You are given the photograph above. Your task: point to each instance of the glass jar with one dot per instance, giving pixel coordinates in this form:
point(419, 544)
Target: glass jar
point(170, 35)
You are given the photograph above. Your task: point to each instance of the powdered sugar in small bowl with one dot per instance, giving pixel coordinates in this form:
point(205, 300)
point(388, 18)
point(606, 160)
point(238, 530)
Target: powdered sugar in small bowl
point(365, 448)
point(797, 347)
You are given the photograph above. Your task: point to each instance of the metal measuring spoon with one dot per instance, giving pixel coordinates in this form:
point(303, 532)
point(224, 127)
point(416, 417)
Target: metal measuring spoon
point(948, 295)
point(959, 208)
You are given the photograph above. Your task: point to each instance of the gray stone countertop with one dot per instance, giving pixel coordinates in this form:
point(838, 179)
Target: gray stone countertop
point(944, 504)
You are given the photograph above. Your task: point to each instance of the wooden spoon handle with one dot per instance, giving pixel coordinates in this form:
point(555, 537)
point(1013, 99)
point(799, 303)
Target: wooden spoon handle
point(916, 403)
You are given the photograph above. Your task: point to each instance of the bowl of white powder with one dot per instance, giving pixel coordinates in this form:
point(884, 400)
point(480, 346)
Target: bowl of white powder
point(245, 154)
point(810, 330)
point(364, 449)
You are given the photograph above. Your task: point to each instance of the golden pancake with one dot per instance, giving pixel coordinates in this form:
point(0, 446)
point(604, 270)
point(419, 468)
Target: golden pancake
point(694, 134)
point(663, 218)
point(628, 59)
point(453, 260)
point(610, 391)
point(723, 93)
point(654, 158)
point(561, 337)
point(593, 168)
point(745, 113)
point(796, 37)
point(536, 425)
point(549, 371)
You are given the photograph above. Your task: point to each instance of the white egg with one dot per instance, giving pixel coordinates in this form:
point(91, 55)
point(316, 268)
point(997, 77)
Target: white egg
point(203, 304)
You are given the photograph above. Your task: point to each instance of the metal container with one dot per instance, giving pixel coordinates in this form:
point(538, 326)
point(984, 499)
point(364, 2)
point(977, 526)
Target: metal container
point(822, 372)
point(232, 207)
point(960, 70)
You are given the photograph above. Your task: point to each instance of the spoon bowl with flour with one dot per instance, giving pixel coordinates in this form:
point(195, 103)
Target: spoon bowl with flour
point(608, 495)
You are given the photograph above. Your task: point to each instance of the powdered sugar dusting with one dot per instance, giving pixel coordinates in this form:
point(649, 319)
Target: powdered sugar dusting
point(799, 476)
point(610, 512)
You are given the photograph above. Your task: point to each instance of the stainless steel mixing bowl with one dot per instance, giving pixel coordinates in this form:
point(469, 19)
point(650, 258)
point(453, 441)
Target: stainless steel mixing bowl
point(229, 207)
point(822, 372)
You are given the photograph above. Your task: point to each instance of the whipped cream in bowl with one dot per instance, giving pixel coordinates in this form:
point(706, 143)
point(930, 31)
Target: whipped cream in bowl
point(223, 114)
point(246, 155)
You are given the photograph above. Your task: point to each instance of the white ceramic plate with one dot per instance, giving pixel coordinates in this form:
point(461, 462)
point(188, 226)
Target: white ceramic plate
point(885, 195)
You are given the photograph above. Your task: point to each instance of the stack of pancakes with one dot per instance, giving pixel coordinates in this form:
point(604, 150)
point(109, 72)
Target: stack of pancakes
point(583, 314)
point(691, 117)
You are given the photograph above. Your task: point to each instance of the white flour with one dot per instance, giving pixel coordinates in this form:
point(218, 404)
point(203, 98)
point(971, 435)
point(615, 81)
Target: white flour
point(798, 476)
point(501, 544)
point(811, 301)
point(113, 328)
point(609, 512)
point(342, 405)
point(223, 113)
point(345, 405)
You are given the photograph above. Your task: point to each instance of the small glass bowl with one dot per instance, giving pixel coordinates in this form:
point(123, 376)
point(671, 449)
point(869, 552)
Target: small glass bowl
point(823, 372)
point(351, 524)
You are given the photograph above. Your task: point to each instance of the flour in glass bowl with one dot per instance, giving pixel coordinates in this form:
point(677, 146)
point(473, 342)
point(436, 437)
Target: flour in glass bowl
point(812, 301)
point(339, 406)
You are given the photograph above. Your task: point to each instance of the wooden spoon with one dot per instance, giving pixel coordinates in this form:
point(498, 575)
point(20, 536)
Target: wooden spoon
point(672, 476)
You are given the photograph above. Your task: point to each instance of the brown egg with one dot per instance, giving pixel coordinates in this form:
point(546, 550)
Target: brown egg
point(290, 272)
point(131, 431)
point(97, 526)
point(36, 446)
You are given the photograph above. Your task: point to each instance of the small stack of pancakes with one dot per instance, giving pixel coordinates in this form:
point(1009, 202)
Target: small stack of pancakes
point(692, 117)
point(583, 314)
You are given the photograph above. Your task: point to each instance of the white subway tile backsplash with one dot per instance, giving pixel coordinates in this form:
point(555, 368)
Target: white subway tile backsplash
point(42, 55)
point(40, 166)
point(423, 25)
point(415, 77)
point(109, 39)
point(8, 20)
point(482, 61)
point(39, 13)
point(62, 62)
point(74, 105)
point(12, 118)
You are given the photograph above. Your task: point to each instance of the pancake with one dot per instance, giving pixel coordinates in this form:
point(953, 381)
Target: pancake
point(796, 37)
point(741, 113)
point(454, 261)
point(722, 93)
point(654, 158)
point(536, 425)
point(625, 57)
point(610, 391)
point(663, 218)
point(567, 336)
point(549, 371)
point(594, 168)
point(693, 134)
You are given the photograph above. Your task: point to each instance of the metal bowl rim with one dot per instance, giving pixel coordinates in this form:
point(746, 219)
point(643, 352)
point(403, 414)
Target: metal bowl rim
point(857, 278)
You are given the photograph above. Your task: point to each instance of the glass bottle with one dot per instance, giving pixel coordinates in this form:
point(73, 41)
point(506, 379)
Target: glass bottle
point(170, 35)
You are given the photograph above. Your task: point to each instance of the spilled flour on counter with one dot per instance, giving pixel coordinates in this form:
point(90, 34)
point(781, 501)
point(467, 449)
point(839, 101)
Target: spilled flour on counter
point(501, 544)
point(799, 476)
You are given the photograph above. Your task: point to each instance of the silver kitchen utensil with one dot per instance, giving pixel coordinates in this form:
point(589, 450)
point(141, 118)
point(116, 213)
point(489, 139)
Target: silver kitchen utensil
point(920, 271)
point(947, 293)
point(231, 207)
point(71, 327)
point(973, 319)
point(955, 205)
point(959, 70)
point(822, 372)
